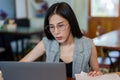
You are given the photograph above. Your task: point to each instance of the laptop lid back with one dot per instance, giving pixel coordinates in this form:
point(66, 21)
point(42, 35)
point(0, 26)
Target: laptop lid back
point(33, 71)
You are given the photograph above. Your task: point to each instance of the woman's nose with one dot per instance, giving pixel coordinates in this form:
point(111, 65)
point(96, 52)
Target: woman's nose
point(56, 30)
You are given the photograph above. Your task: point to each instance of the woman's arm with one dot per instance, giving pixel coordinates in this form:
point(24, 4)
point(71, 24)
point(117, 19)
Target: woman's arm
point(37, 51)
point(94, 62)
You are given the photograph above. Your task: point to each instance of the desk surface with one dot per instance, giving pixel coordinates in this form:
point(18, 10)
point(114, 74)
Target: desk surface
point(21, 31)
point(110, 40)
point(118, 73)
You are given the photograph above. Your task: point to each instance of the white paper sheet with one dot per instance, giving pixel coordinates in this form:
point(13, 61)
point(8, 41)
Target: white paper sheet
point(84, 76)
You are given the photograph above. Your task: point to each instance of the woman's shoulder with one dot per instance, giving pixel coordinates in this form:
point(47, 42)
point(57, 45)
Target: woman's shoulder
point(86, 38)
point(45, 38)
point(48, 41)
point(86, 41)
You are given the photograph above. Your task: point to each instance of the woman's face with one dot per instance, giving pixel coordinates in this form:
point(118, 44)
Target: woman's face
point(59, 28)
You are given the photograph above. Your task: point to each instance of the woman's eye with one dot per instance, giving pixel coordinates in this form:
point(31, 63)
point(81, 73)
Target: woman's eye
point(60, 25)
point(51, 26)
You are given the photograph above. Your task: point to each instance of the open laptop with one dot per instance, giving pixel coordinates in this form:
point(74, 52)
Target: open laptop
point(33, 71)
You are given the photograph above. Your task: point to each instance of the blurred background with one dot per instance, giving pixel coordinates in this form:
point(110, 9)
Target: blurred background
point(21, 27)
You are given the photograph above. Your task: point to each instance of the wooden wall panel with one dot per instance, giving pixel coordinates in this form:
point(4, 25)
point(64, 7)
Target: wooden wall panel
point(108, 24)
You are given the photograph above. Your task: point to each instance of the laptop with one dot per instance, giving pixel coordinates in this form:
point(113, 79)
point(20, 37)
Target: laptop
point(33, 71)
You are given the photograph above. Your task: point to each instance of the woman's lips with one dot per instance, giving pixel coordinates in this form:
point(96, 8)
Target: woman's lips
point(59, 38)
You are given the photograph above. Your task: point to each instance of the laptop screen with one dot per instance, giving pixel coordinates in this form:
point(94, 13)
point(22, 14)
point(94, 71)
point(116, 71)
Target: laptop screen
point(33, 71)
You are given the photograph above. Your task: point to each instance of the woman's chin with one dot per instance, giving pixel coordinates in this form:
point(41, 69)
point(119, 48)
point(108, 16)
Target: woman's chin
point(60, 41)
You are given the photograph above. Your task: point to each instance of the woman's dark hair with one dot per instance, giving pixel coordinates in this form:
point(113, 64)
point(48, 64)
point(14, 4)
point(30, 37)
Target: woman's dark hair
point(64, 10)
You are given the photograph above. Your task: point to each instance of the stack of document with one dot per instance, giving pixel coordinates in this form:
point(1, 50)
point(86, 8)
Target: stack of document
point(84, 76)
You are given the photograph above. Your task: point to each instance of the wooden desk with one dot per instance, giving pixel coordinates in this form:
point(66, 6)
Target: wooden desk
point(70, 79)
point(22, 30)
point(118, 73)
point(20, 33)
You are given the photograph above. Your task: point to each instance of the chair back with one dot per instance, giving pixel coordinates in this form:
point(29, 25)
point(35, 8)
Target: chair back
point(24, 22)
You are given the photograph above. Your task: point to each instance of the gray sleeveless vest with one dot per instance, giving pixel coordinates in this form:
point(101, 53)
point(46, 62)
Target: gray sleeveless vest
point(81, 56)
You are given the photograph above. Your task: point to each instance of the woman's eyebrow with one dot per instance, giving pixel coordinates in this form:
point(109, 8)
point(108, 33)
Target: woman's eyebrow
point(61, 22)
point(58, 22)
